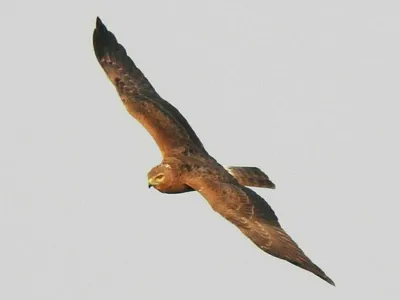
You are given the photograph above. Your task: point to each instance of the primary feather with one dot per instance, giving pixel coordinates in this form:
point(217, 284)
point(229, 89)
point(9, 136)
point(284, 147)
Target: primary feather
point(163, 121)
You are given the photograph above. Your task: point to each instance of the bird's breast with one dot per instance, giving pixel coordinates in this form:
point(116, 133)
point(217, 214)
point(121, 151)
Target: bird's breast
point(175, 189)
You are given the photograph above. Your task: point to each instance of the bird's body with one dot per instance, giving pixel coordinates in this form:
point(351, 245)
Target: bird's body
point(187, 166)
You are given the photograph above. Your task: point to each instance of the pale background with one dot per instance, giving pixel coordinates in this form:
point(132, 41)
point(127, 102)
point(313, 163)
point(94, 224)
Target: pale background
point(307, 91)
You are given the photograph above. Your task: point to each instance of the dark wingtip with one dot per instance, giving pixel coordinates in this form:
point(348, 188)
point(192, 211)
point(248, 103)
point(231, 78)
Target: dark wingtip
point(98, 22)
point(272, 185)
point(328, 280)
point(100, 27)
point(103, 40)
point(105, 44)
point(331, 282)
point(97, 37)
point(321, 275)
point(324, 277)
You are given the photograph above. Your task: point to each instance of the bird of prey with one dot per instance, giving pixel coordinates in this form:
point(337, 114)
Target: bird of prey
point(187, 166)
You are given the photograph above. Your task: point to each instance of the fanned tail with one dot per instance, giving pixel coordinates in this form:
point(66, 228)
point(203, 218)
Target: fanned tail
point(251, 176)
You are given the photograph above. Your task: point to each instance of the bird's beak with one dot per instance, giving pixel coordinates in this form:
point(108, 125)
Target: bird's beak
point(150, 183)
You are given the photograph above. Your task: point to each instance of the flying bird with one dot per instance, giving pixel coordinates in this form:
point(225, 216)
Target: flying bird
point(187, 166)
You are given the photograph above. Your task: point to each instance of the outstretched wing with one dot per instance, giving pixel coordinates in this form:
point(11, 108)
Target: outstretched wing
point(251, 176)
point(163, 121)
point(255, 218)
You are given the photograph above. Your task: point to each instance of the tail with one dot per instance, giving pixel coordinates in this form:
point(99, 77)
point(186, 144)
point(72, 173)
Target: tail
point(251, 176)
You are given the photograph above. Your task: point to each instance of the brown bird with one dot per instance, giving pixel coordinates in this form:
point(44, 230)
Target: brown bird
point(186, 165)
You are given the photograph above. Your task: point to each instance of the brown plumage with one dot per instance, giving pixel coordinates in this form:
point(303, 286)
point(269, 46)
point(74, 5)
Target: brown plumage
point(186, 165)
point(251, 176)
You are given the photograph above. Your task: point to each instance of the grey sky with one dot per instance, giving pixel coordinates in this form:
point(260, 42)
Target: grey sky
point(306, 91)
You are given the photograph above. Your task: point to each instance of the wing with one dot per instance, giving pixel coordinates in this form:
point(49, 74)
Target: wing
point(251, 176)
point(255, 218)
point(163, 121)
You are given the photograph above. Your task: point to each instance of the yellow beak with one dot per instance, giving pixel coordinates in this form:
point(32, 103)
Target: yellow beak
point(150, 182)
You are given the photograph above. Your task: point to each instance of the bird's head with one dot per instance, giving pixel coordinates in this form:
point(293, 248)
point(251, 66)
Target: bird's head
point(160, 177)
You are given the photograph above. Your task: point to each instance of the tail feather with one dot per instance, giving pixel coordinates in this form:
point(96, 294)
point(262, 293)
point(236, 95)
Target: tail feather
point(251, 176)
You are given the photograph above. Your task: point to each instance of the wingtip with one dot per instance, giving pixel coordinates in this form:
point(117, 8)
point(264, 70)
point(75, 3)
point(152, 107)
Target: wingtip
point(272, 185)
point(330, 281)
point(326, 278)
point(102, 39)
point(99, 24)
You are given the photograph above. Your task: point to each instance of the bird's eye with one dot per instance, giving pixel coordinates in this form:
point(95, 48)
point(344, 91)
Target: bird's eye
point(159, 177)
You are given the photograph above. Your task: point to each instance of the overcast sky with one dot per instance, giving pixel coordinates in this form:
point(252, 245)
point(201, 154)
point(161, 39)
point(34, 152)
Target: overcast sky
point(306, 91)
